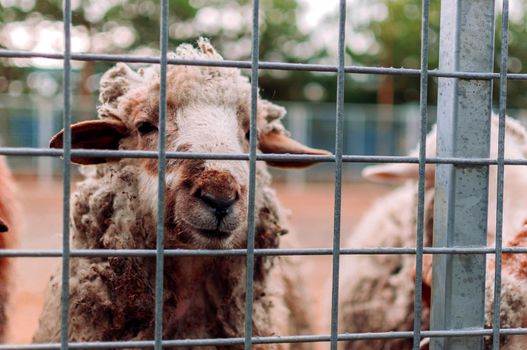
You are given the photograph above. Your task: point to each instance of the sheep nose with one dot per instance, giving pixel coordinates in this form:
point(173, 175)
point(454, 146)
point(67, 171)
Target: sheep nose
point(222, 206)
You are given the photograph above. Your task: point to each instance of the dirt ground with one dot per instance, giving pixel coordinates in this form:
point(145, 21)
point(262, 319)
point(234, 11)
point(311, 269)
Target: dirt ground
point(311, 208)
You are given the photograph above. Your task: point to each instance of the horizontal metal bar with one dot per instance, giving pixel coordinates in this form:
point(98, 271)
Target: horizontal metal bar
point(44, 152)
point(261, 65)
point(263, 340)
point(55, 253)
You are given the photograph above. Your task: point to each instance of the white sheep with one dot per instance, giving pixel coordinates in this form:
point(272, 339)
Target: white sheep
point(9, 212)
point(513, 301)
point(205, 207)
point(377, 292)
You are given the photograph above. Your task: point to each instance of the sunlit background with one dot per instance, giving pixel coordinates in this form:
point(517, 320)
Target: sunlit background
point(381, 115)
point(381, 112)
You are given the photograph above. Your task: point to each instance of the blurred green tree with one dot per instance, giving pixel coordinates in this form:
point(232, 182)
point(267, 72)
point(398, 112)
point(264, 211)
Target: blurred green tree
point(517, 89)
point(391, 36)
point(383, 33)
point(391, 31)
point(132, 26)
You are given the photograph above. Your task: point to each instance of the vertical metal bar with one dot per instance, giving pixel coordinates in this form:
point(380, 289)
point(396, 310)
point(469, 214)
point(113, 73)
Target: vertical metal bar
point(339, 144)
point(64, 299)
point(461, 192)
point(423, 109)
point(504, 62)
point(255, 58)
point(160, 239)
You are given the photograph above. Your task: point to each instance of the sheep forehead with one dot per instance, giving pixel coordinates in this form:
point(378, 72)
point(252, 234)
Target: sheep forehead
point(184, 88)
point(218, 122)
point(185, 84)
point(212, 84)
point(209, 76)
point(207, 128)
point(209, 85)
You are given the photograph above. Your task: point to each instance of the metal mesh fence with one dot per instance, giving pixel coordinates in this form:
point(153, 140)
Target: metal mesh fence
point(252, 157)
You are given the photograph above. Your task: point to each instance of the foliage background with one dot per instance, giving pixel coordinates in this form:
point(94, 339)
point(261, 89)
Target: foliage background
point(382, 33)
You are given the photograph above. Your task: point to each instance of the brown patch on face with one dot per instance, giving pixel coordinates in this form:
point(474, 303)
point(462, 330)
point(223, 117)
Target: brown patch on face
point(219, 184)
point(190, 170)
point(140, 108)
point(150, 165)
point(170, 203)
point(173, 165)
point(134, 105)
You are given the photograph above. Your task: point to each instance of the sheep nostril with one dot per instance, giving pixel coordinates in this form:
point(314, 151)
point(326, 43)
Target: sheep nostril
point(222, 206)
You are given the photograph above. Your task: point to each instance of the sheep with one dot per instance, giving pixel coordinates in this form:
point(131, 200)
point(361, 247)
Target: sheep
point(114, 207)
point(513, 302)
point(377, 292)
point(9, 212)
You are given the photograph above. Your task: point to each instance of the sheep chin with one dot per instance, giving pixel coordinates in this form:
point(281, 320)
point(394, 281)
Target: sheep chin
point(209, 233)
point(203, 239)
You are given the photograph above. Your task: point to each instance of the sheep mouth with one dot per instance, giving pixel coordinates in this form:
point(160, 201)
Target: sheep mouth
point(215, 234)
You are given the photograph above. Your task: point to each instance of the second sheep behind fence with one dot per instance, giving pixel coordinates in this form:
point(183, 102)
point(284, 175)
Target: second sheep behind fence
point(377, 291)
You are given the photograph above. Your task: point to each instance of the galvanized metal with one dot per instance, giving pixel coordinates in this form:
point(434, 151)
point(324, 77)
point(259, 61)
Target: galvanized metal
point(423, 111)
point(48, 253)
point(161, 169)
point(255, 57)
point(504, 63)
point(39, 152)
point(461, 192)
point(262, 65)
point(466, 66)
point(65, 287)
point(262, 340)
point(339, 142)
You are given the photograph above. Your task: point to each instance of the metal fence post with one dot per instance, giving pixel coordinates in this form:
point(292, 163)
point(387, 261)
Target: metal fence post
point(464, 109)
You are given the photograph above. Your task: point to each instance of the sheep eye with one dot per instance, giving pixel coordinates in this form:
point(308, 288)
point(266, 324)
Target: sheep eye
point(248, 135)
point(146, 128)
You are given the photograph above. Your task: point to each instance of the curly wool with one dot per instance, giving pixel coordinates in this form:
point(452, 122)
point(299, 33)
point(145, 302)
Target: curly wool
point(378, 291)
point(204, 296)
point(113, 298)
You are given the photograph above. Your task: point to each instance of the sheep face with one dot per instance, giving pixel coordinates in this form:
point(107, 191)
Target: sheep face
point(208, 111)
point(206, 200)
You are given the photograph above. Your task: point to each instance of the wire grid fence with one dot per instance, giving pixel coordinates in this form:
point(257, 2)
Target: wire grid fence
point(255, 64)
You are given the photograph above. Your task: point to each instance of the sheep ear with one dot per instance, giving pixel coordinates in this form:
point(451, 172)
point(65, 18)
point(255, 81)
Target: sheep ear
point(393, 173)
point(3, 226)
point(92, 134)
point(276, 141)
